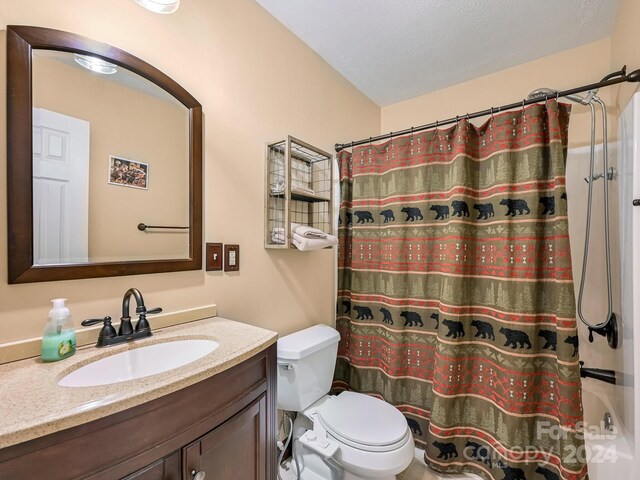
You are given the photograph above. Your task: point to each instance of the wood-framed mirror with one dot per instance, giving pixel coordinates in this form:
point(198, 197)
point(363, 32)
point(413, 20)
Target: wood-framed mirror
point(104, 162)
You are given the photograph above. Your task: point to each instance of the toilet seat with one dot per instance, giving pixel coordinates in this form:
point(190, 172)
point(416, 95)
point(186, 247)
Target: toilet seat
point(364, 422)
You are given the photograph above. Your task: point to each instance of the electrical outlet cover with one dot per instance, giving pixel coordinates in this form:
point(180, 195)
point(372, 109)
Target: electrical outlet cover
point(231, 258)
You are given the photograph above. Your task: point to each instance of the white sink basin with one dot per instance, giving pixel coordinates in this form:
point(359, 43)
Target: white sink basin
point(139, 363)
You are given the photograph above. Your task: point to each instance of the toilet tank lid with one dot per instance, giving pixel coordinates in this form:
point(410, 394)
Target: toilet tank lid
point(305, 342)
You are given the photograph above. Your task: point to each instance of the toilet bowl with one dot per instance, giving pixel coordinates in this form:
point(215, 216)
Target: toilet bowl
point(349, 436)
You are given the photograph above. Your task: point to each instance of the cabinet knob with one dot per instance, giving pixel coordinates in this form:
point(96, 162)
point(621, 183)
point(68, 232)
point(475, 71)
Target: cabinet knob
point(198, 475)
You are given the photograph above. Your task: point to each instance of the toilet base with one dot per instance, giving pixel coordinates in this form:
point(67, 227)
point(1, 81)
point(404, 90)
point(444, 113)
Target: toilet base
point(314, 467)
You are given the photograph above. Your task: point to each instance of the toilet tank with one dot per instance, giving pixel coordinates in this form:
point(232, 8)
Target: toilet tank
point(306, 362)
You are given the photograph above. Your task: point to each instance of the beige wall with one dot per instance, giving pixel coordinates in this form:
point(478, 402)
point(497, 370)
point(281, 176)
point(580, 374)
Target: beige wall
point(571, 68)
point(257, 82)
point(127, 123)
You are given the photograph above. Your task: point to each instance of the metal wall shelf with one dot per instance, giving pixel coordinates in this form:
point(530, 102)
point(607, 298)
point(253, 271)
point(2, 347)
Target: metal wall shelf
point(299, 180)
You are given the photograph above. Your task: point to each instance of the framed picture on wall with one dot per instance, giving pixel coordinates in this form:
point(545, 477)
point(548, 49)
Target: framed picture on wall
point(128, 173)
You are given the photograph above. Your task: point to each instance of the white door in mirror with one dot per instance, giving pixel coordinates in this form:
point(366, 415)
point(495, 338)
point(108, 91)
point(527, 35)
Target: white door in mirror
point(60, 188)
point(139, 363)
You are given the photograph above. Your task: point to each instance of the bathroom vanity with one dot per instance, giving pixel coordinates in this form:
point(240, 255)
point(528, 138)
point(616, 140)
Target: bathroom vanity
point(212, 418)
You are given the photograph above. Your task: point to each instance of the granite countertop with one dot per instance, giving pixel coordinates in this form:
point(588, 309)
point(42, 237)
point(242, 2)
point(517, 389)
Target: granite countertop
point(33, 404)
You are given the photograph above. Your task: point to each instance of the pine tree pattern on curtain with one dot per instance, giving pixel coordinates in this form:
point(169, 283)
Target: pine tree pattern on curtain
point(455, 293)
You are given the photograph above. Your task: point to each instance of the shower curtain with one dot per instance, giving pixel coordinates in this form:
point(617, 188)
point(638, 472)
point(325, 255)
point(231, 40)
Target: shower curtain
point(455, 293)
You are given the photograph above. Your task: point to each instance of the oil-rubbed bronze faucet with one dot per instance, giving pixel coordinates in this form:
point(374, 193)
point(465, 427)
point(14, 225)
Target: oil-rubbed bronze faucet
point(126, 332)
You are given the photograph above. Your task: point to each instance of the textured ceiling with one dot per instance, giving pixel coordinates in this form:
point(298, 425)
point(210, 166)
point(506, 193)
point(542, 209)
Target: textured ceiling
point(392, 50)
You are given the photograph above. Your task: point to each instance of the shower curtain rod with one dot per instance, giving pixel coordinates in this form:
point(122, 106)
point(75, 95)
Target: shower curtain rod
point(606, 82)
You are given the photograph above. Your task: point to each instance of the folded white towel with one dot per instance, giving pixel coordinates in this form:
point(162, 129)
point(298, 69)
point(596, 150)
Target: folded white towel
point(300, 189)
point(304, 244)
point(308, 232)
point(277, 235)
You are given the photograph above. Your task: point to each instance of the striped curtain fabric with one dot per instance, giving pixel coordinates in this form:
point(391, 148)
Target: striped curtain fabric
point(455, 293)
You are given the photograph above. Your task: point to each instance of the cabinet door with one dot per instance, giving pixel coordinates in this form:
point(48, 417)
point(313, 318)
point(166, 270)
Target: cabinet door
point(234, 450)
point(167, 468)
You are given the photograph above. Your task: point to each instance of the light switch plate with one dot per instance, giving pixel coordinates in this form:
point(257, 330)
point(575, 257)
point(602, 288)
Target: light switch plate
point(214, 257)
point(231, 258)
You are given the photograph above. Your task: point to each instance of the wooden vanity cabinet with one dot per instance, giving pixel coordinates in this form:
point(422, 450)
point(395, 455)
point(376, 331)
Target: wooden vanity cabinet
point(223, 426)
point(231, 450)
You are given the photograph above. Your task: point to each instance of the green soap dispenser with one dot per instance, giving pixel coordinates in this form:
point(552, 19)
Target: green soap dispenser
point(59, 339)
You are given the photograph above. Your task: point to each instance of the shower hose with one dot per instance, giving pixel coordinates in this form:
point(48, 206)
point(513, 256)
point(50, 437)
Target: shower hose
point(591, 180)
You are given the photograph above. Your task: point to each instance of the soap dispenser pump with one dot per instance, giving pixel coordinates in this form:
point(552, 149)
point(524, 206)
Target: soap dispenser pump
point(59, 339)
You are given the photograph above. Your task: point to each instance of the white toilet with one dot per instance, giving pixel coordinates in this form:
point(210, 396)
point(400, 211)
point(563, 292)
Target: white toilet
point(349, 436)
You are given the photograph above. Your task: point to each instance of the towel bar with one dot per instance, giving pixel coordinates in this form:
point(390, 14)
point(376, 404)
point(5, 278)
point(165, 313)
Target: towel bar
point(142, 227)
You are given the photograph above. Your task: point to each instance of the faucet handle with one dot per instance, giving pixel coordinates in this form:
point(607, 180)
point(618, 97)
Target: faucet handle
point(107, 330)
point(143, 323)
point(94, 321)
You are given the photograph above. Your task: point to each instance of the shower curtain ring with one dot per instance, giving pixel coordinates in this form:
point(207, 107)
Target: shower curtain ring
point(492, 117)
point(437, 124)
point(411, 134)
point(557, 95)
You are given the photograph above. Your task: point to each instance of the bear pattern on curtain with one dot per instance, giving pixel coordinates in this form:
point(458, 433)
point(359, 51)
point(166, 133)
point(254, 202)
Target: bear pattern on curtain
point(455, 293)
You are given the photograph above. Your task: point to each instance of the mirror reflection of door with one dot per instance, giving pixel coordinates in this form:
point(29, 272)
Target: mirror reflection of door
point(60, 188)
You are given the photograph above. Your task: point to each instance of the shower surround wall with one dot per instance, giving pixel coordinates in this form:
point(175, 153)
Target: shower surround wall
point(626, 441)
